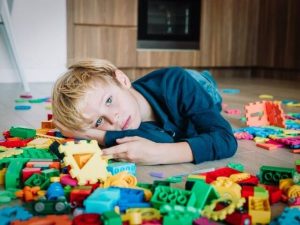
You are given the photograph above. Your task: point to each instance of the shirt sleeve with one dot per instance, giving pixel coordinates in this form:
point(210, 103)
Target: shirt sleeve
point(213, 137)
point(148, 130)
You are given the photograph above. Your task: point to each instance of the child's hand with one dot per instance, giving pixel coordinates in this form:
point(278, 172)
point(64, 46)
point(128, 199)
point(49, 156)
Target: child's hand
point(136, 149)
point(92, 134)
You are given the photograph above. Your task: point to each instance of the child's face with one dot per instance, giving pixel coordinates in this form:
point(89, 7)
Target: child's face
point(111, 107)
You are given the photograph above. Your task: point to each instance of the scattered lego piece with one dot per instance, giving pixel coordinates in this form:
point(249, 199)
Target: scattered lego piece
point(52, 219)
point(26, 96)
point(266, 96)
point(259, 209)
point(264, 113)
point(157, 174)
point(233, 111)
point(94, 168)
point(22, 107)
point(230, 91)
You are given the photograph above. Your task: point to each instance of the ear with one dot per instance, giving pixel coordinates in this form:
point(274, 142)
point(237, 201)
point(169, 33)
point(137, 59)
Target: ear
point(123, 79)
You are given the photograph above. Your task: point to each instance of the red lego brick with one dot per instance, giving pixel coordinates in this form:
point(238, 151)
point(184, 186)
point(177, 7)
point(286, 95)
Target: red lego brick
point(77, 196)
point(14, 143)
point(226, 172)
point(87, 219)
point(238, 218)
point(275, 194)
point(247, 191)
point(27, 172)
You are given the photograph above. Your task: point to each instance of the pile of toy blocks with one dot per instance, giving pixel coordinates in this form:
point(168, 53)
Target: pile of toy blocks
point(270, 128)
point(62, 181)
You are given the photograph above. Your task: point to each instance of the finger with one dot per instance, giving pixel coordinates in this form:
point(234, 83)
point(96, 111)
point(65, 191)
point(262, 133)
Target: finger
point(114, 150)
point(128, 139)
point(121, 157)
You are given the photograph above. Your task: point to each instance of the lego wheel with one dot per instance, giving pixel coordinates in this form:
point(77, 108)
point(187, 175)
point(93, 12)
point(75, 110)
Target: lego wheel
point(39, 207)
point(60, 207)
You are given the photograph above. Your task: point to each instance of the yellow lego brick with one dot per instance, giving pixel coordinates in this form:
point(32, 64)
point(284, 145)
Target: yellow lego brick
point(2, 175)
point(122, 179)
point(227, 188)
point(40, 143)
point(259, 209)
point(239, 177)
point(10, 152)
point(58, 139)
point(85, 160)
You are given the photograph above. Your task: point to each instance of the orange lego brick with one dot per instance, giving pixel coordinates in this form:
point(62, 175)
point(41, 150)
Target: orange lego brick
point(256, 114)
point(264, 113)
point(53, 220)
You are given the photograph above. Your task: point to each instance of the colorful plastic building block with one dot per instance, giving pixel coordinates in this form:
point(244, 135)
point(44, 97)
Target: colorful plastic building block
point(9, 214)
point(238, 218)
point(264, 113)
point(210, 211)
point(259, 209)
point(147, 214)
point(22, 132)
point(111, 218)
point(52, 219)
point(204, 193)
point(117, 167)
point(13, 173)
point(85, 161)
point(122, 179)
point(288, 216)
point(44, 206)
point(179, 215)
point(272, 175)
point(78, 195)
point(55, 191)
point(102, 200)
point(87, 219)
point(172, 196)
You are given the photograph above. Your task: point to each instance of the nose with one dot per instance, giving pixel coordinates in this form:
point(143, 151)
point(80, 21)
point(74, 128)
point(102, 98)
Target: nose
point(113, 118)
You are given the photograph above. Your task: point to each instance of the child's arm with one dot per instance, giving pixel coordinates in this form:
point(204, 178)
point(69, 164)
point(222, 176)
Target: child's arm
point(143, 151)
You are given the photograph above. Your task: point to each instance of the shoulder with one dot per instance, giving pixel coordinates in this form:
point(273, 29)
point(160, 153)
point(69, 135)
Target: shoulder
point(167, 77)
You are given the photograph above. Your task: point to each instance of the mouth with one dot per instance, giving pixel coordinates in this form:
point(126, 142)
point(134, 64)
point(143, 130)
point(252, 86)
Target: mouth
point(126, 124)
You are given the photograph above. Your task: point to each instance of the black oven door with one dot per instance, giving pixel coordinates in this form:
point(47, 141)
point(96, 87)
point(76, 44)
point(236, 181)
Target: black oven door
point(169, 24)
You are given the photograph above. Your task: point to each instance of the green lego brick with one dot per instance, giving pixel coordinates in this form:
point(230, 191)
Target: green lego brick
point(237, 166)
point(38, 180)
point(204, 193)
point(172, 196)
point(13, 173)
point(179, 215)
point(111, 218)
point(272, 175)
point(46, 207)
point(22, 132)
point(261, 192)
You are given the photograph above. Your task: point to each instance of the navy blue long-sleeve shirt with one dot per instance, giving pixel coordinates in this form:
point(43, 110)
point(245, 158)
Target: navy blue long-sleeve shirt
point(184, 112)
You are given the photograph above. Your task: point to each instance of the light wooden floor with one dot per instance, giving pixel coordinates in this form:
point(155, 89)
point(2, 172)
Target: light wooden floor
point(248, 154)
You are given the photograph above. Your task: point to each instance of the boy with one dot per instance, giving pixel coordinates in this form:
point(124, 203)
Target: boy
point(171, 115)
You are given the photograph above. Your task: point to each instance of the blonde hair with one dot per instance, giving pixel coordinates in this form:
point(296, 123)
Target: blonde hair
point(70, 88)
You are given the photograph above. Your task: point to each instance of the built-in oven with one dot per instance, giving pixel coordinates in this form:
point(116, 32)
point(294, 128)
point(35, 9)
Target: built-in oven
point(169, 24)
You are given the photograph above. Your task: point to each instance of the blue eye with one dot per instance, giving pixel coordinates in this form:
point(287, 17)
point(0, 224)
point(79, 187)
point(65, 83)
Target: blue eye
point(99, 122)
point(108, 101)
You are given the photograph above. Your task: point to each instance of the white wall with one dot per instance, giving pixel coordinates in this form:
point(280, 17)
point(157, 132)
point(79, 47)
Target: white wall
point(41, 39)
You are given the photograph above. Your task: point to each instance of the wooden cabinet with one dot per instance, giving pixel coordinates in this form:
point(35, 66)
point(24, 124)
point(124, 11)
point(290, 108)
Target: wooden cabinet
point(234, 33)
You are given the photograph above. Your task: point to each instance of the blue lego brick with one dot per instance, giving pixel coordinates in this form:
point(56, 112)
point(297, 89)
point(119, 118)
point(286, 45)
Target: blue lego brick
point(102, 200)
point(10, 214)
point(117, 167)
point(131, 198)
point(288, 216)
